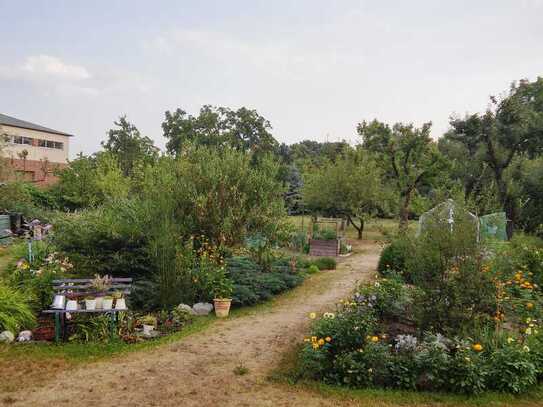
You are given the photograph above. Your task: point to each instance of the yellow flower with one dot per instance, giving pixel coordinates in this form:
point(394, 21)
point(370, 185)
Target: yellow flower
point(526, 348)
point(313, 339)
point(328, 339)
point(375, 339)
point(509, 340)
point(529, 305)
point(307, 340)
point(477, 347)
point(312, 315)
point(321, 342)
point(315, 346)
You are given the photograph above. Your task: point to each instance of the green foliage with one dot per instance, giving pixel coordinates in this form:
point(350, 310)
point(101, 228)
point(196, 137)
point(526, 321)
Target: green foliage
point(110, 240)
point(324, 234)
point(409, 156)
point(313, 269)
point(15, 311)
point(508, 129)
point(325, 263)
point(392, 261)
point(218, 194)
point(350, 187)
point(253, 285)
point(90, 328)
point(446, 263)
point(242, 129)
point(90, 181)
point(131, 150)
point(511, 370)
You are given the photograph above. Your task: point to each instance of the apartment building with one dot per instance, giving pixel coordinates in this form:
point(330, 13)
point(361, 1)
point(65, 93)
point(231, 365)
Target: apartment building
point(33, 151)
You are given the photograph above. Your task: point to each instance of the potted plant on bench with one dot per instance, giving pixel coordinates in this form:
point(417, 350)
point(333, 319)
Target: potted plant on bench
point(149, 324)
point(90, 303)
point(101, 285)
point(120, 302)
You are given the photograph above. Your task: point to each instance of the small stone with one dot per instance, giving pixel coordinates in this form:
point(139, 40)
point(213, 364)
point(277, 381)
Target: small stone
point(187, 308)
point(202, 308)
point(24, 336)
point(7, 336)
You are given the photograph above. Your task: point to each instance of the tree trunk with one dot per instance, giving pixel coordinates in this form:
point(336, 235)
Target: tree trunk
point(405, 201)
point(359, 229)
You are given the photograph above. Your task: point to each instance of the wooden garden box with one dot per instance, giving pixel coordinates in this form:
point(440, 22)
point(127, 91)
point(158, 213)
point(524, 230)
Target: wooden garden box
point(320, 247)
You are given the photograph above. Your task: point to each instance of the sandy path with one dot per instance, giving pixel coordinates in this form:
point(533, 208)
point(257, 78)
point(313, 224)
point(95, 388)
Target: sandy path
point(198, 370)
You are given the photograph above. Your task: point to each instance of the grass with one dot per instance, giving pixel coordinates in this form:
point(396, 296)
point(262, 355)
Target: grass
point(35, 363)
point(381, 397)
point(375, 229)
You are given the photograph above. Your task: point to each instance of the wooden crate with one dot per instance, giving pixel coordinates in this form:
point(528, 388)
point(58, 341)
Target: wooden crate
point(329, 248)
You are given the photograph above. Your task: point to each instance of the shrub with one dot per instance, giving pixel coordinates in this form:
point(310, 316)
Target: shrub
point(313, 269)
point(15, 311)
point(110, 240)
point(325, 263)
point(393, 259)
point(511, 370)
point(467, 372)
point(388, 298)
point(252, 285)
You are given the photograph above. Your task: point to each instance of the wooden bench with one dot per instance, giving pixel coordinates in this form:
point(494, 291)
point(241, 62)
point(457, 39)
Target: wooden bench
point(78, 288)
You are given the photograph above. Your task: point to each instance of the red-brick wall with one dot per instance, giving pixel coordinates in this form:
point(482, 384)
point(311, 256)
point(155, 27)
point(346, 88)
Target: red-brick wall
point(34, 171)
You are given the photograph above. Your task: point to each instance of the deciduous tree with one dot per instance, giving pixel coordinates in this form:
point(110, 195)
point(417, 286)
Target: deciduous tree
point(408, 155)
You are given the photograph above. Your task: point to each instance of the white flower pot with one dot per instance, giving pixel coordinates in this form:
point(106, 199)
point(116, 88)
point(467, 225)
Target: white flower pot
point(71, 305)
point(147, 329)
point(120, 303)
point(90, 305)
point(107, 303)
point(99, 302)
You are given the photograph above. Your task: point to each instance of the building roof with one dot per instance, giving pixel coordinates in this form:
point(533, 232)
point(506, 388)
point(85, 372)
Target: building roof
point(13, 122)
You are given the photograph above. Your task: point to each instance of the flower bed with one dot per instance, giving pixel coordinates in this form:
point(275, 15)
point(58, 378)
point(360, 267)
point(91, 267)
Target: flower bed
point(451, 316)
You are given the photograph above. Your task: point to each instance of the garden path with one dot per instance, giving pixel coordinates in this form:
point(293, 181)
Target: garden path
point(199, 369)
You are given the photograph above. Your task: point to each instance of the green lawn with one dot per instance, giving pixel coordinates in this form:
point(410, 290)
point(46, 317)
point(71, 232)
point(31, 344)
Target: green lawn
point(381, 397)
point(374, 229)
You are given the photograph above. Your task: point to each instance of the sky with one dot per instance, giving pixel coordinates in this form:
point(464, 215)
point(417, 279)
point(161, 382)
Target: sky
point(313, 68)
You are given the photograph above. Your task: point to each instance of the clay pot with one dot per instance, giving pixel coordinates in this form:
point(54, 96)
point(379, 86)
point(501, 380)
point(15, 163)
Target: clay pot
point(222, 307)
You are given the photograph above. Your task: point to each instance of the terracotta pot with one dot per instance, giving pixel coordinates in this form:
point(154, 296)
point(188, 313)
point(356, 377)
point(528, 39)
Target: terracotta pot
point(222, 307)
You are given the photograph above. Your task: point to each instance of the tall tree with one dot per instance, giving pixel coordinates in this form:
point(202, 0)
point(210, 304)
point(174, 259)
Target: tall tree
point(129, 147)
point(409, 156)
point(350, 187)
point(243, 129)
point(511, 126)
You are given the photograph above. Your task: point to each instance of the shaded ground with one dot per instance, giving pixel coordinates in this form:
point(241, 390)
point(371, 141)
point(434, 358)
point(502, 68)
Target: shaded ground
point(199, 370)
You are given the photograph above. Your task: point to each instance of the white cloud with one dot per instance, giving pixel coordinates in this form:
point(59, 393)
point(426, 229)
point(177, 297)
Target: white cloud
point(49, 66)
point(52, 75)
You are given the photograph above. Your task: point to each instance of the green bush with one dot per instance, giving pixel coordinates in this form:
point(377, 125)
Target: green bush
point(15, 311)
point(511, 370)
point(313, 269)
point(252, 285)
point(110, 240)
point(325, 263)
point(393, 258)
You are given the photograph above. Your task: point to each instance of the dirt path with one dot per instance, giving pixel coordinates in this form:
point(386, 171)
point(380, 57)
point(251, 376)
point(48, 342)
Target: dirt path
point(198, 371)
